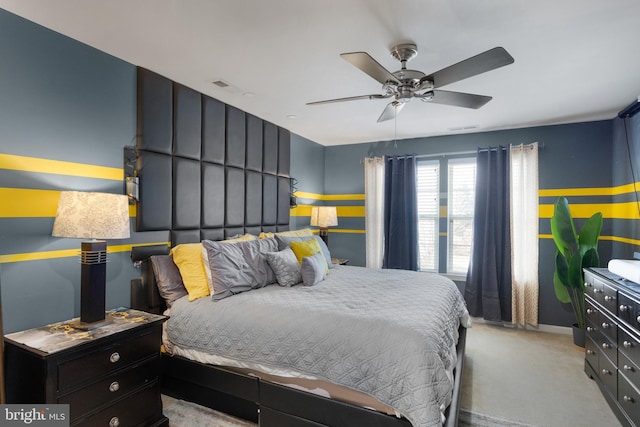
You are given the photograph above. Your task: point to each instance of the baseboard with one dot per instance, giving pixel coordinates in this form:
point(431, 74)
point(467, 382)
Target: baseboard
point(551, 329)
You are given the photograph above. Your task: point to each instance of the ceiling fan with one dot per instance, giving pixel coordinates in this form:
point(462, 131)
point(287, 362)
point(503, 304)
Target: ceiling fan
point(404, 85)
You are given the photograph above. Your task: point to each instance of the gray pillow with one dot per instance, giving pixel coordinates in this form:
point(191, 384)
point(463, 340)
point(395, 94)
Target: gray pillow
point(283, 242)
point(285, 266)
point(168, 278)
point(314, 269)
point(239, 267)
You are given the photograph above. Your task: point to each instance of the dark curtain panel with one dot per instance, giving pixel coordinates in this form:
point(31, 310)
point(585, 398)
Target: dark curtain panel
point(488, 289)
point(400, 213)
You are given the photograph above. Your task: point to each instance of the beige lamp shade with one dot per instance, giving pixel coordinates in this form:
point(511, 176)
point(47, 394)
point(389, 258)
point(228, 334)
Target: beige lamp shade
point(324, 216)
point(88, 215)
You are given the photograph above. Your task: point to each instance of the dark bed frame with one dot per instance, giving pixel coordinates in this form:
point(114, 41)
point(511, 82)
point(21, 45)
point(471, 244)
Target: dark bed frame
point(208, 170)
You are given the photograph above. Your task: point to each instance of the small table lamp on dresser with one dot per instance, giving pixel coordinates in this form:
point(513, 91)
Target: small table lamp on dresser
point(324, 217)
point(88, 215)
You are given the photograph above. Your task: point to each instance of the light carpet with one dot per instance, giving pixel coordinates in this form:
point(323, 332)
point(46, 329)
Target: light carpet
point(187, 414)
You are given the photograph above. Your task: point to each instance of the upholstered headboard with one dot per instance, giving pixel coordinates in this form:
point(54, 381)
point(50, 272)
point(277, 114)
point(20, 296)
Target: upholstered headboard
point(207, 170)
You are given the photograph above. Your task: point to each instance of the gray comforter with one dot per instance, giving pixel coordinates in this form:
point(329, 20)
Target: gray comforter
point(388, 333)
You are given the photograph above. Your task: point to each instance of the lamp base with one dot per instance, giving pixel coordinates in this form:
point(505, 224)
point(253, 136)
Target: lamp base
point(324, 235)
point(89, 326)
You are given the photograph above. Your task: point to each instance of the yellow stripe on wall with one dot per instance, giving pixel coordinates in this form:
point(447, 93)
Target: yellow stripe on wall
point(34, 164)
point(67, 253)
point(316, 196)
point(600, 191)
point(626, 210)
point(29, 203)
point(343, 211)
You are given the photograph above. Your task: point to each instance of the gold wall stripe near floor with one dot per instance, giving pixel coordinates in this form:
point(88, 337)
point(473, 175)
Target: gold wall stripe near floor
point(66, 253)
point(34, 164)
point(30, 203)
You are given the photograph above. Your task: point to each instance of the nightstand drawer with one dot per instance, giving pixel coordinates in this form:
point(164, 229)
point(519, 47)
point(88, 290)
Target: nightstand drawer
point(133, 411)
point(108, 359)
point(629, 398)
point(111, 388)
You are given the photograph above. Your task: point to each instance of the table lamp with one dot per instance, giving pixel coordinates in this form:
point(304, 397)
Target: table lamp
point(324, 217)
point(88, 215)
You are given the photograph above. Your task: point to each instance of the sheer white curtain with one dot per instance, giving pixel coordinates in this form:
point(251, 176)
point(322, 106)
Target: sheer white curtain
point(374, 210)
point(524, 234)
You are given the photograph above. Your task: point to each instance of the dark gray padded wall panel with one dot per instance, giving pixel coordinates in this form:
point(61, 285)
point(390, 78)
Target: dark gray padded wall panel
point(186, 194)
point(254, 143)
point(213, 195)
point(253, 199)
point(154, 112)
point(284, 188)
point(187, 122)
point(213, 130)
point(234, 215)
point(284, 152)
point(184, 236)
point(222, 172)
point(269, 202)
point(154, 171)
point(236, 137)
point(212, 234)
point(270, 150)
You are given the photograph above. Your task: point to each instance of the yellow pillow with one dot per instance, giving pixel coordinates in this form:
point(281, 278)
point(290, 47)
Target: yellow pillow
point(305, 248)
point(188, 258)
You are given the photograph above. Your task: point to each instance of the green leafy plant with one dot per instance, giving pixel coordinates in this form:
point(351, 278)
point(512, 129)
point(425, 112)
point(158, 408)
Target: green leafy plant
point(575, 251)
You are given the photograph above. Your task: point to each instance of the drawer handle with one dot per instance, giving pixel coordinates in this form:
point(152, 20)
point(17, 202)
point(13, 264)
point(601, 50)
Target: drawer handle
point(628, 368)
point(606, 372)
point(591, 311)
point(590, 329)
point(115, 357)
point(590, 352)
point(608, 298)
point(114, 422)
point(638, 319)
point(114, 386)
point(605, 345)
point(627, 344)
point(624, 307)
point(597, 291)
point(606, 325)
point(628, 399)
point(588, 284)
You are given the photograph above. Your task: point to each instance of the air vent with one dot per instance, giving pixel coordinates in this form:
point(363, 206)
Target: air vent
point(223, 84)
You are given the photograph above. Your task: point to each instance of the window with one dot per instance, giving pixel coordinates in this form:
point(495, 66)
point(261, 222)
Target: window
point(428, 189)
point(458, 192)
point(461, 193)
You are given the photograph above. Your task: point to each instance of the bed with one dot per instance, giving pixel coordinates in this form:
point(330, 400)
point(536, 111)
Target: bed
point(361, 347)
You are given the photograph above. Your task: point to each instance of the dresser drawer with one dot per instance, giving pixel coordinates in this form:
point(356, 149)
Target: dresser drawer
point(629, 369)
point(609, 327)
point(108, 359)
point(136, 410)
point(610, 298)
point(111, 388)
point(629, 398)
point(629, 345)
point(628, 309)
point(594, 287)
point(592, 353)
point(608, 373)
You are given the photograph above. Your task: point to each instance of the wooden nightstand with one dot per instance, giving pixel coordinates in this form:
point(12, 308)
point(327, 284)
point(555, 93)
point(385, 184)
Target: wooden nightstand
point(340, 261)
point(109, 375)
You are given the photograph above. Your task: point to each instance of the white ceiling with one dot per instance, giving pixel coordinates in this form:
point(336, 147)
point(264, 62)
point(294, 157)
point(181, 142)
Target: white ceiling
point(575, 60)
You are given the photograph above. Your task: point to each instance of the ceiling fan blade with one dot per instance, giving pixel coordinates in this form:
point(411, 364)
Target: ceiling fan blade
point(459, 99)
point(350, 98)
point(391, 111)
point(370, 66)
point(481, 63)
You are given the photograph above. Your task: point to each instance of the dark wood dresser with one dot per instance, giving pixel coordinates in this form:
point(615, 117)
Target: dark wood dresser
point(612, 344)
point(109, 375)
